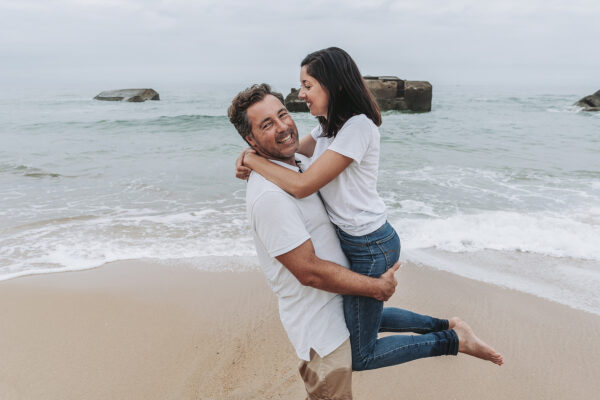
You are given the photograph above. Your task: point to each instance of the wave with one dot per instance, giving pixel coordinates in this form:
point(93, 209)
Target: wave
point(87, 241)
point(576, 236)
point(554, 256)
point(30, 172)
point(176, 122)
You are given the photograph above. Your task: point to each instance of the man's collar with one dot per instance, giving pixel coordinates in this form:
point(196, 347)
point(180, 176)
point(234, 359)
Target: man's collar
point(284, 164)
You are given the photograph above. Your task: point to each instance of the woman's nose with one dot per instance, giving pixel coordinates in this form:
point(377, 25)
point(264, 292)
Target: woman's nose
point(301, 94)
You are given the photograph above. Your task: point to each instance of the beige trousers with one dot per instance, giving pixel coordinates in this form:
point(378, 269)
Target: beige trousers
point(330, 377)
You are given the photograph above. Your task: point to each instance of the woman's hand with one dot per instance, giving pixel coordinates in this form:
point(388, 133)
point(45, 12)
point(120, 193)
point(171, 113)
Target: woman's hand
point(242, 171)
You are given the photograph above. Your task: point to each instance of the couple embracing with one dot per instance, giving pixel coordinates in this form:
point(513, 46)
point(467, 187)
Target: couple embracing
point(321, 233)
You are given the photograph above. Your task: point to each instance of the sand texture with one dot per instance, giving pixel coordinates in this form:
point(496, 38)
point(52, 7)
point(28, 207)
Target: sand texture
point(134, 330)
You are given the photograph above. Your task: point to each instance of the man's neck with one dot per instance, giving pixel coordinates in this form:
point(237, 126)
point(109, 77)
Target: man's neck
point(291, 160)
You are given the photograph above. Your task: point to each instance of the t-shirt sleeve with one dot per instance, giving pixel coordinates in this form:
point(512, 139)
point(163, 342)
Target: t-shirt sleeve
point(353, 140)
point(316, 132)
point(278, 223)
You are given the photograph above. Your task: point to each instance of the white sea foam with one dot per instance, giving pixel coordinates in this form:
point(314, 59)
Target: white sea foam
point(542, 233)
point(89, 241)
point(552, 256)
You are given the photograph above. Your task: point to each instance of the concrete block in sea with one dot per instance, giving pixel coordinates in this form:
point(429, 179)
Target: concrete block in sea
point(590, 103)
point(390, 92)
point(131, 95)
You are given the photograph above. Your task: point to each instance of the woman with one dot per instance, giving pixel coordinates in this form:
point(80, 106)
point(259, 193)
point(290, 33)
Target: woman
point(345, 148)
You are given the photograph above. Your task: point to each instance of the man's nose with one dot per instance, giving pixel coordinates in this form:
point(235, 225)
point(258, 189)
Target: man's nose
point(280, 125)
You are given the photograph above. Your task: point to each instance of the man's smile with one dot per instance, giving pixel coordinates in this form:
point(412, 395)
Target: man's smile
point(286, 138)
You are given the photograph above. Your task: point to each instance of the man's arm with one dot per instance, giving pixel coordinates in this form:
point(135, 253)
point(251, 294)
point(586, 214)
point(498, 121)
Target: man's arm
point(312, 271)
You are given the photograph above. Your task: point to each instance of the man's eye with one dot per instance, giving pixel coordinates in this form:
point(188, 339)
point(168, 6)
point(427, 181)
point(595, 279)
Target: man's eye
point(267, 125)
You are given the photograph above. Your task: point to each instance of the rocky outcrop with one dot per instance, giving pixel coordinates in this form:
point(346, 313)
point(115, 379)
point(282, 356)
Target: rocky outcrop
point(133, 95)
point(293, 103)
point(390, 92)
point(590, 103)
point(418, 95)
point(393, 93)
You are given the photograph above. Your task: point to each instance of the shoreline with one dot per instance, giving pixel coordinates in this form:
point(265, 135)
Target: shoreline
point(134, 329)
point(461, 266)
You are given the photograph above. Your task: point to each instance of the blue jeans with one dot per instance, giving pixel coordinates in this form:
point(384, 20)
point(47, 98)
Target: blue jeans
point(372, 255)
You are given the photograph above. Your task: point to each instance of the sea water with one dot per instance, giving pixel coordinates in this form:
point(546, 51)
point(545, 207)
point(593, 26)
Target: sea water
point(499, 184)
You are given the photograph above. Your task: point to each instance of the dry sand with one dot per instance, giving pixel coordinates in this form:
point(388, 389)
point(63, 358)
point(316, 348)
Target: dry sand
point(134, 330)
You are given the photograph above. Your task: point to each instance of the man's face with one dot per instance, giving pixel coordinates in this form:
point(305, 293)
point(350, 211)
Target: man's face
point(274, 133)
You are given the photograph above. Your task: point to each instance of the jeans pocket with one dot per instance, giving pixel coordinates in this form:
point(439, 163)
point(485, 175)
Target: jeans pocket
point(390, 248)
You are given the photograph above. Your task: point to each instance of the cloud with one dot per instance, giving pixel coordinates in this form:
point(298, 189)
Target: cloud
point(206, 39)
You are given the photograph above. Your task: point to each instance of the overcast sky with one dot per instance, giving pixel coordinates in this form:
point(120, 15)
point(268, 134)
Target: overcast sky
point(150, 42)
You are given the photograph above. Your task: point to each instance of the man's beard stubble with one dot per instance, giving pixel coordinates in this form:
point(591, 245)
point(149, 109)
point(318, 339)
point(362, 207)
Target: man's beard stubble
point(278, 156)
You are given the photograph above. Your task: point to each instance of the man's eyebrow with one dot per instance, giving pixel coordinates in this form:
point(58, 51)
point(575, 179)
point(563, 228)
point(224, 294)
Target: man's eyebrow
point(268, 118)
point(264, 120)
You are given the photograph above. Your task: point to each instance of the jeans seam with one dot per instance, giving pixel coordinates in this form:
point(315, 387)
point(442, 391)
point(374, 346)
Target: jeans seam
point(372, 265)
point(414, 329)
point(385, 256)
point(386, 239)
point(357, 308)
point(352, 243)
point(407, 346)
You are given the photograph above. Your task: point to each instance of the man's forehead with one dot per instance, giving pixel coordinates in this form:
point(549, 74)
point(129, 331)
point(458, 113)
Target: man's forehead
point(268, 106)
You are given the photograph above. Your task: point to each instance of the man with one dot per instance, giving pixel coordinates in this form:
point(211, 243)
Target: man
point(299, 251)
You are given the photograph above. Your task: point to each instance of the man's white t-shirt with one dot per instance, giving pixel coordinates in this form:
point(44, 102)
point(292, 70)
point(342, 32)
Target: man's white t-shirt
point(351, 198)
point(311, 317)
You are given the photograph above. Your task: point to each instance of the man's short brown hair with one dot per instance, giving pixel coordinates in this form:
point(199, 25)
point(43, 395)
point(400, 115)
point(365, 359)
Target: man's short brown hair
point(240, 104)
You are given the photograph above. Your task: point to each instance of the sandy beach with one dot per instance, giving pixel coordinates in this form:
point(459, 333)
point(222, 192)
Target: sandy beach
point(135, 330)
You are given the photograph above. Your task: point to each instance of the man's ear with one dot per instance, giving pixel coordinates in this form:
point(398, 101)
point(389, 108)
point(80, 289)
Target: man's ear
point(250, 140)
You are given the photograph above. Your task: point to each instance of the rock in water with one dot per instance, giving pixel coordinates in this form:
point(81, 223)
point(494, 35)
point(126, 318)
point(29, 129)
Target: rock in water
point(590, 103)
point(293, 103)
point(134, 95)
point(417, 95)
point(393, 93)
point(390, 92)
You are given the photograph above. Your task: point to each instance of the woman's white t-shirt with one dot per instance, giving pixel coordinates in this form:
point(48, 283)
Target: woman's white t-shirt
point(351, 198)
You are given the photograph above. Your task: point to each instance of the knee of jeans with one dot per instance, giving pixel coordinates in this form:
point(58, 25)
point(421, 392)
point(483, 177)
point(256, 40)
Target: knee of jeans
point(359, 364)
point(359, 361)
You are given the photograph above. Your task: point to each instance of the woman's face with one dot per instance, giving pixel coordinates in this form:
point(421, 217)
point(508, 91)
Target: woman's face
point(315, 95)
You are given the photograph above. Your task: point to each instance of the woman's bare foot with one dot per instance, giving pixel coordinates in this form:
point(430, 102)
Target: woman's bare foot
point(470, 344)
point(453, 321)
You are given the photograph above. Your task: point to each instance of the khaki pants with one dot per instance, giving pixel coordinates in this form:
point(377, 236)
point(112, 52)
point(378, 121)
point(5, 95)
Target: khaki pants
point(330, 377)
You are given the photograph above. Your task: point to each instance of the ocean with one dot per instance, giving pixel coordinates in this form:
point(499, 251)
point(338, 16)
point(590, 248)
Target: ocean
point(499, 184)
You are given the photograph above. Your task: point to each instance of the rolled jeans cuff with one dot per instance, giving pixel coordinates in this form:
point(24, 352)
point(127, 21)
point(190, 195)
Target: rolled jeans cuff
point(452, 342)
point(444, 324)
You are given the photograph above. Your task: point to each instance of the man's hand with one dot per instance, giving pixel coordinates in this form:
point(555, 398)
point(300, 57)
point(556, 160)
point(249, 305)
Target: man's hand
point(241, 171)
point(388, 283)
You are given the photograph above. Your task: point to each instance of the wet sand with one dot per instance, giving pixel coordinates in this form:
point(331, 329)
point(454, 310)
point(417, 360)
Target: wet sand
point(135, 330)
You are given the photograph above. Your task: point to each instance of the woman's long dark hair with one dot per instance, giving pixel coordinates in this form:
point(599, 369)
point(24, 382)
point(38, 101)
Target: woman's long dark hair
point(348, 95)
